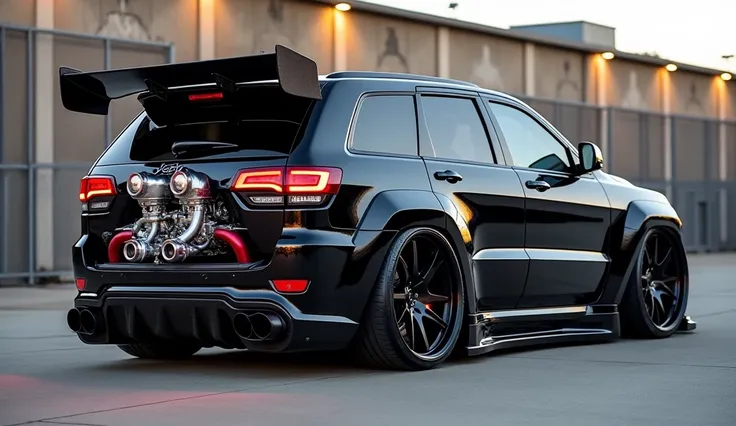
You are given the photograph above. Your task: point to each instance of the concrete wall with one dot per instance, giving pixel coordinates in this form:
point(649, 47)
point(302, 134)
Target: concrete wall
point(568, 86)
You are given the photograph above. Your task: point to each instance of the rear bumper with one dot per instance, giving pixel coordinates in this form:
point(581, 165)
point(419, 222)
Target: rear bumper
point(205, 315)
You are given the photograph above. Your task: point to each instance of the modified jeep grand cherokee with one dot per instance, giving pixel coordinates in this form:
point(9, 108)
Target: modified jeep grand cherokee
point(256, 205)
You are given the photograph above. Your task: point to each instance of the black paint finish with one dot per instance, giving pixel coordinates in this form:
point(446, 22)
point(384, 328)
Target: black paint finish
point(571, 244)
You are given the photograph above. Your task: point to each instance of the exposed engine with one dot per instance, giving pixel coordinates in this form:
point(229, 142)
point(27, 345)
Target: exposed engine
point(180, 219)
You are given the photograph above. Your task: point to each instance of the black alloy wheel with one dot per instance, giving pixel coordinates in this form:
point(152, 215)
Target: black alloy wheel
point(660, 282)
point(416, 312)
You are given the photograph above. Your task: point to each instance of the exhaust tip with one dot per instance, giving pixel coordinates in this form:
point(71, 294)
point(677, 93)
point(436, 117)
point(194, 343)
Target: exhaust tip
point(73, 320)
point(88, 322)
point(243, 326)
point(266, 326)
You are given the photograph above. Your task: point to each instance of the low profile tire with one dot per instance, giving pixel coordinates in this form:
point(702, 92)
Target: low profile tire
point(415, 314)
point(161, 350)
point(655, 298)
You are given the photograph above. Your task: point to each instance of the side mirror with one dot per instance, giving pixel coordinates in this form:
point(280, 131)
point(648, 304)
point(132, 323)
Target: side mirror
point(591, 158)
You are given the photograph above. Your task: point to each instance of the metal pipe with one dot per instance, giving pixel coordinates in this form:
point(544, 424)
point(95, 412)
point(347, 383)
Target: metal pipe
point(85, 36)
point(194, 226)
point(31, 137)
point(108, 118)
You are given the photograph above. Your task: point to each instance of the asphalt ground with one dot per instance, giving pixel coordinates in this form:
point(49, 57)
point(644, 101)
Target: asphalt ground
point(47, 377)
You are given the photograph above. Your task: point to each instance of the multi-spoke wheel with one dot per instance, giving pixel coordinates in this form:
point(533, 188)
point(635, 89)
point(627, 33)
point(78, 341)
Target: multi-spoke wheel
point(416, 311)
point(656, 295)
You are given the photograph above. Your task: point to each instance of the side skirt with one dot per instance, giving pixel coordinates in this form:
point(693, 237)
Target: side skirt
point(496, 330)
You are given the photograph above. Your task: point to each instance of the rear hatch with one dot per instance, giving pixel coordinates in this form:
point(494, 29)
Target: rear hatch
point(240, 140)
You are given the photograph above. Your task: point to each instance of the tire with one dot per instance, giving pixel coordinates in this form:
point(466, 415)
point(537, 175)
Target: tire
point(637, 319)
point(381, 342)
point(161, 350)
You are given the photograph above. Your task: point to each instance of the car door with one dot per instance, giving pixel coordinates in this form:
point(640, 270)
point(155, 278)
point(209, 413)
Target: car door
point(567, 216)
point(484, 198)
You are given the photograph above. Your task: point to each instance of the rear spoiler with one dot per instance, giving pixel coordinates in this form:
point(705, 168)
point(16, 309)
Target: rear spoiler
point(91, 92)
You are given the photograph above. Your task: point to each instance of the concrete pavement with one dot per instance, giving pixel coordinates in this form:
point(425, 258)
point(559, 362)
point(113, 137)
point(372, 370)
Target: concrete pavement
point(48, 377)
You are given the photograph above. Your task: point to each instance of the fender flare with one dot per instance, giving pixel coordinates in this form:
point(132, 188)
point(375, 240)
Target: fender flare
point(394, 210)
point(641, 216)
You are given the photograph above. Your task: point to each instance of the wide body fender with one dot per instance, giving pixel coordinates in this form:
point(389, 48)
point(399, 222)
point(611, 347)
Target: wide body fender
point(628, 231)
point(392, 211)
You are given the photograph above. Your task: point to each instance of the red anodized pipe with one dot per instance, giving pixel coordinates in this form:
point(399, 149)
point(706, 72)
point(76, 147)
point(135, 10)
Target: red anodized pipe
point(235, 242)
point(114, 248)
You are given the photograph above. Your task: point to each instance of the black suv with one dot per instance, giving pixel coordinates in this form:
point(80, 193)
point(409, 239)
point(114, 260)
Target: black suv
point(256, 205)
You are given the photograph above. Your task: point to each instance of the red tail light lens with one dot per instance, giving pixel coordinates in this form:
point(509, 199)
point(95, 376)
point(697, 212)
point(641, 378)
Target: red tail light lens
point(301, 185)
point(96, 186)
point(81, 283)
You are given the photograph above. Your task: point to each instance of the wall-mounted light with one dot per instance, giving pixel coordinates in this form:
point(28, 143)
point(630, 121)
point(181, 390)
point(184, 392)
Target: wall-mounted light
point(726, 76)
point(671, 67)
point(608, 55)
point(343, 7)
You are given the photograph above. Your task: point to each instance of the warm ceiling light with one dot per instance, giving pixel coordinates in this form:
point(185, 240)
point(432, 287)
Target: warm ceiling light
point(726, 76)
point(608, 55)
point(343, 7)
point(671, 67)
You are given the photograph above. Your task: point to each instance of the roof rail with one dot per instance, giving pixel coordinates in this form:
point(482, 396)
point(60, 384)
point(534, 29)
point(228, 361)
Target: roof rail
point(397, 75)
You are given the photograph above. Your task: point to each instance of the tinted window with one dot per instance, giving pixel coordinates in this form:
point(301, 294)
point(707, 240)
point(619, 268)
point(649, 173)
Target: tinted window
point(531, 145)
point(386, 124)
point(456, 129)
point(258, 120)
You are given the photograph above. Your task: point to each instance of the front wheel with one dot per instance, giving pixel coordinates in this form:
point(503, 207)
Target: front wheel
point(415, 314)
point(655, 299)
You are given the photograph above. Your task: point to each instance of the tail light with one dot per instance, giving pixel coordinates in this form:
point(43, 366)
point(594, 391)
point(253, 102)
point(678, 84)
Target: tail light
point(303, 186)
point(91, 187)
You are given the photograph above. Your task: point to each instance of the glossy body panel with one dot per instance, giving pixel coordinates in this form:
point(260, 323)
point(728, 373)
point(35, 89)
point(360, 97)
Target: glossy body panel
point(490, 203)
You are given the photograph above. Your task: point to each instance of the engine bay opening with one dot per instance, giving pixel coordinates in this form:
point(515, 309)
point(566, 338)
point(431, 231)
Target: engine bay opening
point(182, 220)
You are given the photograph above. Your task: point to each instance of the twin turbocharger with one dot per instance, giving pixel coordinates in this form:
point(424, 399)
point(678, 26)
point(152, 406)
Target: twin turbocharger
point(174, 235)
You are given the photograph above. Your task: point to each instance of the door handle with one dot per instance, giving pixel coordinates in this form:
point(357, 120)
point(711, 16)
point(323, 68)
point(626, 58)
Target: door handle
point(539, 185)
point(449, 176)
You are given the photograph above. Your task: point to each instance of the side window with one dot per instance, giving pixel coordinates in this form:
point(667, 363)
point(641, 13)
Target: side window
point(456, 129)
point(386, 124)
point(531, 145)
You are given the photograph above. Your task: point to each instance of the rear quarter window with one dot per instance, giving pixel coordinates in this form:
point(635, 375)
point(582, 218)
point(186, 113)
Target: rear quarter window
point(386, 124)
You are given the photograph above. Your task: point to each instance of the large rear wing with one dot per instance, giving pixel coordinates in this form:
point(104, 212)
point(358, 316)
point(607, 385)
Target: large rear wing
point(91, 92)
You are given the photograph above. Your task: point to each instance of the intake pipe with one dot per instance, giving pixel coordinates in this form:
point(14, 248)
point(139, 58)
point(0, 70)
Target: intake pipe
point(114, 249)
point(235, 242)
point(258, 327)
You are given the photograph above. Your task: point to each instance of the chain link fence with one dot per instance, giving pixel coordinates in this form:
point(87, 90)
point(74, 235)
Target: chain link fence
point(45, 150)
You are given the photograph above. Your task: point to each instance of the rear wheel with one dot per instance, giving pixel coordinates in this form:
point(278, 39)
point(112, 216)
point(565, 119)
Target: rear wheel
point(161, 350)
point(415, 313)
point(655, 298)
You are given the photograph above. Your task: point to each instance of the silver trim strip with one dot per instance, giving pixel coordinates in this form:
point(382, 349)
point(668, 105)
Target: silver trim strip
point(536, 312)
point(87, 294)
point(567, 255)
point(501, 254)
point(540, 254)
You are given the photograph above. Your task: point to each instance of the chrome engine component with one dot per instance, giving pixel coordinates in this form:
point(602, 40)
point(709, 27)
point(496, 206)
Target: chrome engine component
point(192, 189)
point(153, 194)
point(179, 217)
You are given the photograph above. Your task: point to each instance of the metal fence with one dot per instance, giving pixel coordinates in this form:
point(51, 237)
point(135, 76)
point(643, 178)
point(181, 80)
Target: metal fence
point(682, 157)
point(39, 212)
point(686, 166)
